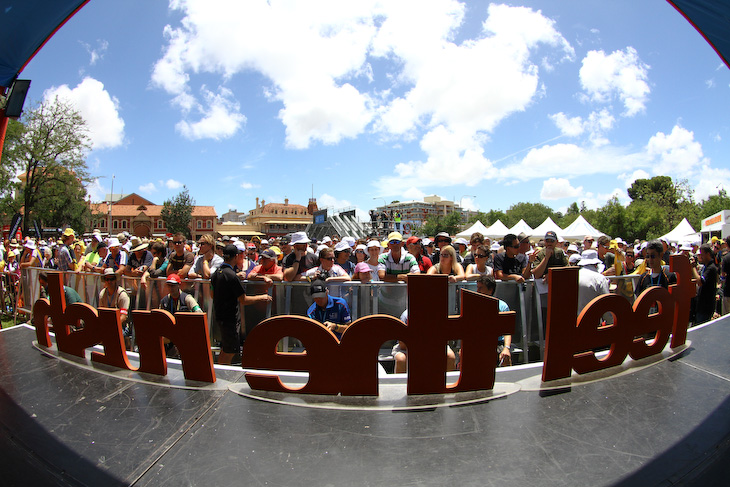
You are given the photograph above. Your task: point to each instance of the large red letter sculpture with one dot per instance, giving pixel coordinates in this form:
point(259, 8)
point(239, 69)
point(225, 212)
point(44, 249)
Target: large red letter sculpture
point(569, 343)
point(349, 367)
point(103, 327)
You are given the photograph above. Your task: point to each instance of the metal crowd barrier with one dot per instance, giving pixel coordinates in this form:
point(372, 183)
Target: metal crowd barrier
point(292, 298)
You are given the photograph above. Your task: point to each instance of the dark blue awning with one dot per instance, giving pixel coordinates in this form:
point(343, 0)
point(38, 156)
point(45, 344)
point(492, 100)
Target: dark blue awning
point(711, 18)
point(25, 25)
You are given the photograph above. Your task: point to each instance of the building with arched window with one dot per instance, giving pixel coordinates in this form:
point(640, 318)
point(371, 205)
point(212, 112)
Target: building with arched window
point(141, 217)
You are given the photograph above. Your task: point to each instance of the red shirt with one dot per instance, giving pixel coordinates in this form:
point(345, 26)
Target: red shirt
point(259, 270)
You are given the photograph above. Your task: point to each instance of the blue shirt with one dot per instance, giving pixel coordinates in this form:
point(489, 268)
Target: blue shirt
point(336, 312)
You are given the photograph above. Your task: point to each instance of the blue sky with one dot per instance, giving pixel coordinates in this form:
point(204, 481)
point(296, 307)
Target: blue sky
point(486, 103)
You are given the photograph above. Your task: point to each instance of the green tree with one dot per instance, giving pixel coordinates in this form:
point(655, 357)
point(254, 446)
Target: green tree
point(48, 148)
point(488, 218)
point(177, 213)
point(450, 223)
point(672, 200)
point(613, 219)
point(533, 213)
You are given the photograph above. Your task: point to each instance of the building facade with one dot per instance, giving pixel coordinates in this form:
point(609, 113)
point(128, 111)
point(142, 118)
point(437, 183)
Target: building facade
point(139, 216)
point(277, 219)
point(417, 212)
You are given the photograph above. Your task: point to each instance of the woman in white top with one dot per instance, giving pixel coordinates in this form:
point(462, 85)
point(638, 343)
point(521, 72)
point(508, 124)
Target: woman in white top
point(373, 250)
point(479, 267)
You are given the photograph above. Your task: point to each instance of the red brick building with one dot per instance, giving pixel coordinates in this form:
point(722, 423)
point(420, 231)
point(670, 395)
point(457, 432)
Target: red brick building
point(140, 217)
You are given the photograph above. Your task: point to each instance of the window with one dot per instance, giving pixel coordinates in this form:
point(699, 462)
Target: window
point(199, 224)
point(115, 224)
point(209, 224)
point(124, 223)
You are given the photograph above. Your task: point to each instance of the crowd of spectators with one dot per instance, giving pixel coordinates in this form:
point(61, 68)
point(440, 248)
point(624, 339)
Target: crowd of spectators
point(296, 257)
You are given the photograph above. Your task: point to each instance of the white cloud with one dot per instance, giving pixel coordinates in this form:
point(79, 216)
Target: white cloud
point(571, 127)
point(172, 184)
point(326, 200)
point(710, 181)
point(677, 153)
point(620, 74)
point(559, 188)
point(96, 191)
point(148, 188)
point(560, 160)
point(97, 107)
point(329, 81)
point(446, 149)
point(628, 179)
point(247, 185)
point(598, 124)
point(221, 120)
point(96, 53)
point(469, 203)
point(413, 193)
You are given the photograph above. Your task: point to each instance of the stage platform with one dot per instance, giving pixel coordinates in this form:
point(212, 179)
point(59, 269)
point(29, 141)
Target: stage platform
point(664, 425)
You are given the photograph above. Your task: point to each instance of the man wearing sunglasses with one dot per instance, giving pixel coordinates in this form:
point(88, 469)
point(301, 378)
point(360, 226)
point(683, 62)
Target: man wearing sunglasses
point(511, 265)
point(655, 274)
point(181, 261)
point(397, 262)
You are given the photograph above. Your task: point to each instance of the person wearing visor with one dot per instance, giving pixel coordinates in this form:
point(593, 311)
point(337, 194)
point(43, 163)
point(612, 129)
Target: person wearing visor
point(397, 263)
point(331, 311)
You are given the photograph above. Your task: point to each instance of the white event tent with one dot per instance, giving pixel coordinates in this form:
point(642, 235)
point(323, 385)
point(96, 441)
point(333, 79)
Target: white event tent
point(477, 227)
point(546, 226)
point(520, 227)
point(683, 233)
point(579, 229)
point(497, 230)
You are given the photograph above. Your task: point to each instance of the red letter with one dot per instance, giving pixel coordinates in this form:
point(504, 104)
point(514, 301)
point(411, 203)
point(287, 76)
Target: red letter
point(189, 332)
point(321, 358)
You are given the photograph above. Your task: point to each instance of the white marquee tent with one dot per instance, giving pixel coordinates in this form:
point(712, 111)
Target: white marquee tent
point(477, 227)
point(579, 229)
point(682, 233)
point(521, 226)
point(497, 230)
point(546, 226)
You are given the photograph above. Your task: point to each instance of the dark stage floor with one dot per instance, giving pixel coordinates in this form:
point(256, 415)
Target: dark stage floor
point(668, 424)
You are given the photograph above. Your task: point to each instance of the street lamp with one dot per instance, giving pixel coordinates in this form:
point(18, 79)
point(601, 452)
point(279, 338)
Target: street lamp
point(465, 196)
point(385, 203)
point(461, 208)
point(111, 201)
